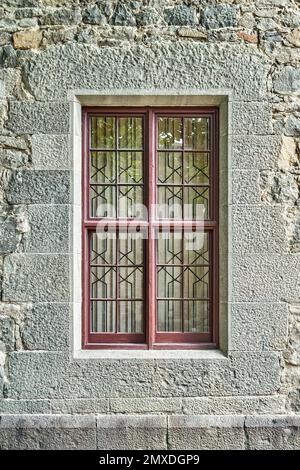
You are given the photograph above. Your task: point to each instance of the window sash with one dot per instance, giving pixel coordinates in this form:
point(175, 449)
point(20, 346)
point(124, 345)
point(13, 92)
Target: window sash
point(151, 338)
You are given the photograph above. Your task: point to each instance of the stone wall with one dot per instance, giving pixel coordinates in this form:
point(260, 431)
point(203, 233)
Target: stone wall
point(48, 49)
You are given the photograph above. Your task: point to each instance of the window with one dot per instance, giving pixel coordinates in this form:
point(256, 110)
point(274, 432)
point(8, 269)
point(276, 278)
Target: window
point(146, 173)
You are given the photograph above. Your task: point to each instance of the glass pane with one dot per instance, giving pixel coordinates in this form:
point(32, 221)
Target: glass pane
point(196, 316)
point(170, 202)
point(196, 200)
point(130, 133)
point(103, 201)
point(196, 168)
point(103, 282)
point(170, 133)
point(169, 282)
point(103, 167)
point(169, 167)
point(169, 315)
point(103, 249)
point(131, 283)
point(128, 197)
point(196, 133)
point(131, 317)
point(130, 166)
point(196, 282)
point(169, 248)
point(131, 249)
point(199, 255)
point(103, 132)
point(103, 317)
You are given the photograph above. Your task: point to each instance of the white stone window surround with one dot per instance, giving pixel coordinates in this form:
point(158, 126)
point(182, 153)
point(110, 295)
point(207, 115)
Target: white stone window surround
point(164, 97)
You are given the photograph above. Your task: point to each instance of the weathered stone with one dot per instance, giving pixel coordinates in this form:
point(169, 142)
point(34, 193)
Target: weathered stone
point(36, 277)
point(39, 187)
point(28, 39)
point(191, 33)
point(220, 16)
point(280, 187)
point(47, 432)
point(273, 432)
point(292, 219)
point(181, 15)
point(50, 152)
point(129, 431)
point(61, 16)
point(13, 159)
point(8, 406)
point(294, 37)
point(252, 38)
point(80, 406)
point(293, 400)
point(272, 331)
point(149, 16)
point(28, 23)
point(49, 231)
point(144, 67)
point(234, 405)
point(146, 405)
point(206, 432)
point(251, 118)
point(287, 80)
point(257, 278)
point(258, 229)
point(44, 118)
point(292, 352)
point(9, 237)
point(292, 126)
point(123, 16)
point(288, 158)
point(7, 338)
point(260, 152)
point(46, 326)
point(52, 375)
point(245, 187)
point(93, 15)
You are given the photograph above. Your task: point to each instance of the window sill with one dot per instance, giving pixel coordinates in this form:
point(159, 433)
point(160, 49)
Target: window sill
point(148, 354)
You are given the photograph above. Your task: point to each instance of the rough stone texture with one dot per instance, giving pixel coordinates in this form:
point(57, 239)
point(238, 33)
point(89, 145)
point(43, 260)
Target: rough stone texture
point(134, 432)
point(44, 118)
point(249, 50)
point(144, 67)
point(49, 231)
point(47, 432)
point(50, 152)
point(206, 432)
point(47, 327)
point(34, 277)
point(51, 375)
point(39, 187)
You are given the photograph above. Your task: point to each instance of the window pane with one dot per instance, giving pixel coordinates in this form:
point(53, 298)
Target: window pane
point(103, 249)
point(103, 282)
point(103, 201)
point(198, 253)
point(169, 248)
point(128, 197)
point(131, 249)
point(169, 315)
point(131, 317)
point(170, 133)
point(169, 167)
point(130, 166)
point(196, 316)
point(103, 167)
point(130, 133)
point(103, 317)
point(169, 282)
point(103, 132)
point(196, 282)
point(170, 202)
point(131, 283)
point(196, 133)
point(196, 168)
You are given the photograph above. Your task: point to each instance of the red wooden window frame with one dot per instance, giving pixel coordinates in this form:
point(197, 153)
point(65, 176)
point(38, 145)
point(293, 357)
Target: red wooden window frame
point(151, 339)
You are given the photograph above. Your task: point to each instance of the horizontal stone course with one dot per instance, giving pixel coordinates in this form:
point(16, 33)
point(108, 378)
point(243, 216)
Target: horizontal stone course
point(33, 117)
point(144, 67)
point(43, 278)
point(39, 187)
